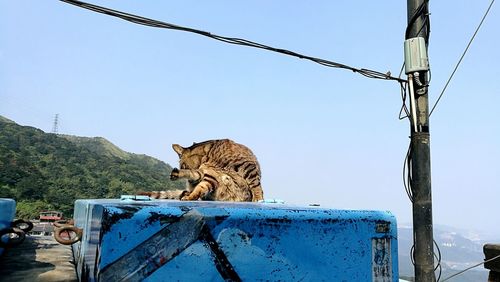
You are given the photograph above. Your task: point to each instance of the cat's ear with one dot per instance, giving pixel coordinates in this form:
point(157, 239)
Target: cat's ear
point(178, 149)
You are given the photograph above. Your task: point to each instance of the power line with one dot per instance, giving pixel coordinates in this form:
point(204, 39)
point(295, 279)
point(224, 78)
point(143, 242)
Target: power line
point(231, 40)
point(463, 55)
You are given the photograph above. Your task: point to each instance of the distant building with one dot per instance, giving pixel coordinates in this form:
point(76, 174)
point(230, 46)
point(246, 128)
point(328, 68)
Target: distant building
point(50, 216)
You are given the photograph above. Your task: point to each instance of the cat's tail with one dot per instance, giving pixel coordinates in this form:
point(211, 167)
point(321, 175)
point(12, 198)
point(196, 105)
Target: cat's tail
point(170, 194)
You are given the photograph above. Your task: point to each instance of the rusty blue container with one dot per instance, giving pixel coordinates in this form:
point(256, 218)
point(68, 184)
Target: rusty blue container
point(165, 240)
point(7, 213)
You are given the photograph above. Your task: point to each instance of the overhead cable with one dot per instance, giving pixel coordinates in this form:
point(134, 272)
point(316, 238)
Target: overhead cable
point(231, 40)
point(470, 267)
point(463, 55)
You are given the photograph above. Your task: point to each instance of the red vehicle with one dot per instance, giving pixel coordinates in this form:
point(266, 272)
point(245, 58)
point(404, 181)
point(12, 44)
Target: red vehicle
point(50, 216)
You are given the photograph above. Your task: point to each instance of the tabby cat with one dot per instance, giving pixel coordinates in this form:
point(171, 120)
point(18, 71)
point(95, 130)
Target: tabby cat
point(219, 170)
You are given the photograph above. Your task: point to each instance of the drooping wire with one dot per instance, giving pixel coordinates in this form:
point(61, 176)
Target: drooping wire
point(403, 91)
point(407, 174)
point(404, 108)
point(461, 57)
point(231, 40)
point(438, 258)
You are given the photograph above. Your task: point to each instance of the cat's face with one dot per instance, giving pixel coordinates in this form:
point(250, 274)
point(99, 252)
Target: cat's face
point(189, 158)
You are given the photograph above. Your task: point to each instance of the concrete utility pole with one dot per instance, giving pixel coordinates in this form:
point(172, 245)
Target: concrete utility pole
point(417, 73)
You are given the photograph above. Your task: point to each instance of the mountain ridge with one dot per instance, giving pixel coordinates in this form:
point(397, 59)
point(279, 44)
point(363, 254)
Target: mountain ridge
point(99, 145)
point(49, 171)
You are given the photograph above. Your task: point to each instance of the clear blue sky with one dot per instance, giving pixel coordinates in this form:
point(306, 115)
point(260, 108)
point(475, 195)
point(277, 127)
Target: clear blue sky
point(322, 135)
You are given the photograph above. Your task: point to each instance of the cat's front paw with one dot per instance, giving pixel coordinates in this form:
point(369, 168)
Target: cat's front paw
point(188, 197)
point(174, 175)
point(183, 194)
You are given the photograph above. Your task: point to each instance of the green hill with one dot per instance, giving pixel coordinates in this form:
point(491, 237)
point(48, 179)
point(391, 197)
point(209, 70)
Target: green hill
point(48, 171)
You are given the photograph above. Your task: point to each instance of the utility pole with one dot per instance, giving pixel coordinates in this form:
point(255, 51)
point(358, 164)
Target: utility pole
point(417, 69)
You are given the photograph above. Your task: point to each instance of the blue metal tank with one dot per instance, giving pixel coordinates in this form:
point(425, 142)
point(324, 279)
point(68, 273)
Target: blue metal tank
point(165, 240)
point(7, 213)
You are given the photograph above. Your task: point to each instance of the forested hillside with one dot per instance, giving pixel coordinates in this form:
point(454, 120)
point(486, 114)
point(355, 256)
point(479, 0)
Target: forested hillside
point(47, 171)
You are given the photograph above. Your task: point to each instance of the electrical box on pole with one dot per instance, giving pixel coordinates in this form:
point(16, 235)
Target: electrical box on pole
point(416, 55)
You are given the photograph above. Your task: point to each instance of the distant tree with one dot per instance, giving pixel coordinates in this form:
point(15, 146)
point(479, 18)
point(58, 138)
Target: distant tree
point(31, 209)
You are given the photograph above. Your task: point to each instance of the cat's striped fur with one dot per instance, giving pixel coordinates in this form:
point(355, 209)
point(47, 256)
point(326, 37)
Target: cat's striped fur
point(219, 170)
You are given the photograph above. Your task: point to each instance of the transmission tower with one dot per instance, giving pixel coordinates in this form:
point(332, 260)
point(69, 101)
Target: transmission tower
point(56, 121)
